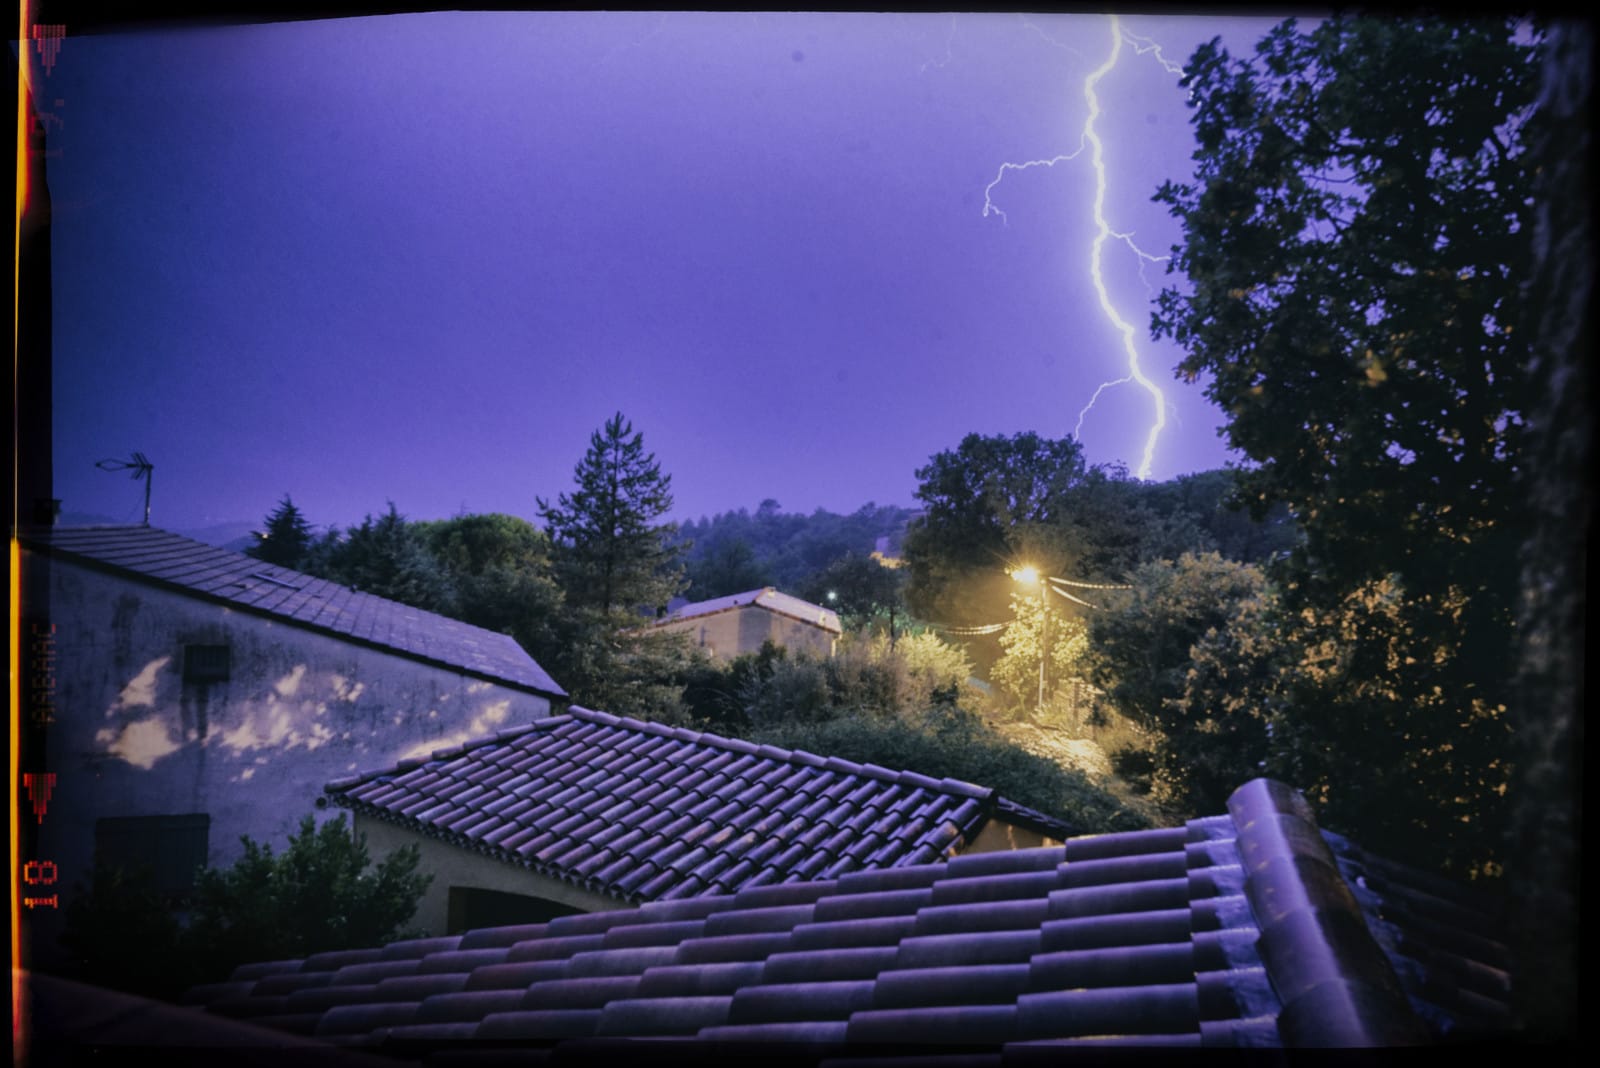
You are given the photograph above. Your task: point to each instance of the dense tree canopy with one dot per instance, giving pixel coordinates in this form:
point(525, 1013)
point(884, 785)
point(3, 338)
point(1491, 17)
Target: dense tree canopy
point(998, 502)
point(862, 590)
point(1143, 646)
point(499, 567)
point(1353, 241)
point(386, 556)
point(783, 549)
point(1547, 830)
point(729, 567)
point(984, 501)
point(285, 538)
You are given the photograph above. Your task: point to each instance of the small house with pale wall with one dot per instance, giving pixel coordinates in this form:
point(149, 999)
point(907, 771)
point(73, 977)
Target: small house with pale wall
point(201, 694)
point(591, 812)
point(741, 623)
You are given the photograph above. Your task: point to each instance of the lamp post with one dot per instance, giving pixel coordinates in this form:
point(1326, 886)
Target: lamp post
point(1029, 576)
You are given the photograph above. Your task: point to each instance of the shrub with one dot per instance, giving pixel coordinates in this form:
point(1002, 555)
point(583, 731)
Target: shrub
point(949, 742)
point(317, 895)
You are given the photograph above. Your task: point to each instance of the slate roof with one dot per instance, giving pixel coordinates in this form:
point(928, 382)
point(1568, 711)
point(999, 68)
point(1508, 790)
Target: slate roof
point(1249, 929)
point(643, 811)
point(769, 598)
point(239, 581)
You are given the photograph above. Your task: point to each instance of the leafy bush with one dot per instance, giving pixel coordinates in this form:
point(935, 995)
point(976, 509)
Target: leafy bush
point(317, 895)
point(121, 933)
point(945, 742)
point(868, 676)
point(792, 690)
point(321, 893)
point(1203, 741)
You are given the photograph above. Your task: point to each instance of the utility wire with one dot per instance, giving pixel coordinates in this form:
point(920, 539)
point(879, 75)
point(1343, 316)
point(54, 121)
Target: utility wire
point(1088, 585)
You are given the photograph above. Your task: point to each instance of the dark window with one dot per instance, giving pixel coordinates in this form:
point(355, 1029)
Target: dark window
point(168, 848)
point(470, 908)
point(206, 663)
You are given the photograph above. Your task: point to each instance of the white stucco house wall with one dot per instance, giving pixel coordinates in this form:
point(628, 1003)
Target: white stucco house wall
point(726, 627)
point(200, 695)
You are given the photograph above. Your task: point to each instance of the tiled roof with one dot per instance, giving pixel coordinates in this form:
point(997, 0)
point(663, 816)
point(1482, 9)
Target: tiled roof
point(643, 811)
point(241, 581)
point(1236, 930)
point(768, 598)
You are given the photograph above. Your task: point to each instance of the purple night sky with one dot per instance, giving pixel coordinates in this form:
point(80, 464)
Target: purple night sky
point(422, 257)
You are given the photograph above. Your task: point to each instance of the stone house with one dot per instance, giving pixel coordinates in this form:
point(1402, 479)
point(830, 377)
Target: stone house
point(199, 695)
point(588, 811)
point(740, 623)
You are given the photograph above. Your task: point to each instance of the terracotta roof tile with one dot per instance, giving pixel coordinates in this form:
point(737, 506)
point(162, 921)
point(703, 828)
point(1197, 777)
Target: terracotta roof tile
point(579, 991)
point(585, 784)
point(467, 1006)
point(538, 1025)
point(416, 987)
point(664, 1016)
point(993, 957)
point(794, 1002)
point(518, 976)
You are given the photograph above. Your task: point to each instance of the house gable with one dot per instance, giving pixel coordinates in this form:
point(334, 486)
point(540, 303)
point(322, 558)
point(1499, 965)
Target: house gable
point(636, 811)
point(741, 623)
point(171, 561)
point(173, 710)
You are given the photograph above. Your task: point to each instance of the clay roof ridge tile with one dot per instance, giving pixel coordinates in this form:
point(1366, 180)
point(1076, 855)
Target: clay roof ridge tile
point(1337, 986)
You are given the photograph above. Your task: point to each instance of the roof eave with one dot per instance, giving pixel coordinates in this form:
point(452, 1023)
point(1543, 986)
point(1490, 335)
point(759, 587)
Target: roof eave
point(557, 694)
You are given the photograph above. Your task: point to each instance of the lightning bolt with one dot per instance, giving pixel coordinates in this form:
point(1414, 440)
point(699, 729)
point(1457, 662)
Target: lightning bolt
point(949, 49)
point(1030, 24)
point(1144, 46)
point(1090, 139)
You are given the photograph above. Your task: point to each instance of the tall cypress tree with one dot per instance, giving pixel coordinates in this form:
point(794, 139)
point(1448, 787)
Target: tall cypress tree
point(286, 539)
point(612, 555)
point(617, 564)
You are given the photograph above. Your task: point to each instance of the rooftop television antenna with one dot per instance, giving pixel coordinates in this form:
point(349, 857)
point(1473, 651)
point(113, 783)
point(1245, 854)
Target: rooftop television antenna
point(141, 467)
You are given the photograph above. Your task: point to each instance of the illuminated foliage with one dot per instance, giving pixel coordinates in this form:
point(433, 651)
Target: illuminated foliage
point(1038, 631)
point(996, 502)
point(948, 742)
point(978, 499)
point(867, 676)
point(1146, 645)
point(1354, 240)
